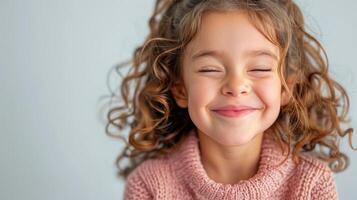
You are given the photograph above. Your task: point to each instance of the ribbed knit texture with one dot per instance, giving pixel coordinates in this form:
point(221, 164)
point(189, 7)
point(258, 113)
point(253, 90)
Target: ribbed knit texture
point(180, 175)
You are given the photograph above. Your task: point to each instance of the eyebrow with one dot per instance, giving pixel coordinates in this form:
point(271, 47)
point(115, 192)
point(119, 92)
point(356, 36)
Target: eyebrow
point(219, 54)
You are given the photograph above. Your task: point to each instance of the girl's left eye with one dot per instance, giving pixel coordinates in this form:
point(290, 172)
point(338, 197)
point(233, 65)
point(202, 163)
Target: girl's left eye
point(253, 70)
point(261, 70)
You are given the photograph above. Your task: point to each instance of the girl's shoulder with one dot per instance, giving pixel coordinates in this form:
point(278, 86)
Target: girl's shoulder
point(151, 167)
point(150, 177)
point(153, 171)
point(162, 168)
point(318, 176)
point(311, 161)
point(159, 172)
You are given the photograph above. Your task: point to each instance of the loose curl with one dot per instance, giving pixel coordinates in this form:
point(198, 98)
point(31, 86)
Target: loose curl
point(158, 125)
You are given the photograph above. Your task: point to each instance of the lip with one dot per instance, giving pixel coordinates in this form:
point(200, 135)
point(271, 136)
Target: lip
point(234, 111)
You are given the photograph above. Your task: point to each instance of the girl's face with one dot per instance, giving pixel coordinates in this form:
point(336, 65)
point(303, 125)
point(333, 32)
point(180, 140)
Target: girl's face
point(230, 84)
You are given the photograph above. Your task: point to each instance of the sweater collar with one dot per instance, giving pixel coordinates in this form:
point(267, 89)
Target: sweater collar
point(269, 177)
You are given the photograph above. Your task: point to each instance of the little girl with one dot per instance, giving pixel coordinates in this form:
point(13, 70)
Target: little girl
point(231, 99)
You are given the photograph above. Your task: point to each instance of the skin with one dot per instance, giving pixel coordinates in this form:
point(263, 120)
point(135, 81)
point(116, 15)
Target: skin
point(242, 72)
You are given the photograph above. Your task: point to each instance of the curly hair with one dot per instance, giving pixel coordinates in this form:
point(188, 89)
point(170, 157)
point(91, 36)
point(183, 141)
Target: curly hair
point(313, 116)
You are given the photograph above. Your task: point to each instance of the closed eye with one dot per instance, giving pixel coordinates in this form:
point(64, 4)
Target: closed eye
point(208, 70)
point(261, 70)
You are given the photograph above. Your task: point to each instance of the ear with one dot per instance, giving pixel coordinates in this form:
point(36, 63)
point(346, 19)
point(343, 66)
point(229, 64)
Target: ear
point(179, 93)
point(285, 96)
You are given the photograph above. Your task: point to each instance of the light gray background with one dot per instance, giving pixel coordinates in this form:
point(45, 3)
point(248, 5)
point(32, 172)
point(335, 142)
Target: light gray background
point(54, 59)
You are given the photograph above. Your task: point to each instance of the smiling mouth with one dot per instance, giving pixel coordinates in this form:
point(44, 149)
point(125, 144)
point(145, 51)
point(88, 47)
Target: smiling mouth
point(234, 113)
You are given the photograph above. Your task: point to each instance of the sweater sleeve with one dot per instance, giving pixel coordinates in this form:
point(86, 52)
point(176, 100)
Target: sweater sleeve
point(325, 188)
point(135, 188)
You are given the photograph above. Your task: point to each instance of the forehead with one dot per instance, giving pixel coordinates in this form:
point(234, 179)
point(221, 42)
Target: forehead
point(231, 32)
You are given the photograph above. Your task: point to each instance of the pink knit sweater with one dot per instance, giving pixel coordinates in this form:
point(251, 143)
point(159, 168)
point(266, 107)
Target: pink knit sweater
point(181, 175)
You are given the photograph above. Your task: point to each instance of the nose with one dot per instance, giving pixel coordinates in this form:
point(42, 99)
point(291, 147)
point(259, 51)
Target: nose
point(236, 86)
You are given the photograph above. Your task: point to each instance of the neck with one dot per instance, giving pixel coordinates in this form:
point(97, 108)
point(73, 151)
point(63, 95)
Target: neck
point(230, 164)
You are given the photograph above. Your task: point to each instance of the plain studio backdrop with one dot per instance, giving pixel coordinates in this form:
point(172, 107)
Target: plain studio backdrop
point(54, 60)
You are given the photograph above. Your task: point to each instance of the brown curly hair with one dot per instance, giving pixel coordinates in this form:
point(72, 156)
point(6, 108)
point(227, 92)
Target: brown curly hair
point(313, 116)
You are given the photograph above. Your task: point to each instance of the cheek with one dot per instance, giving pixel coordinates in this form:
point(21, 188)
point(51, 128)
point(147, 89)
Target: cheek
point(199, 94)
point(270, 93)
point(199, 97)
